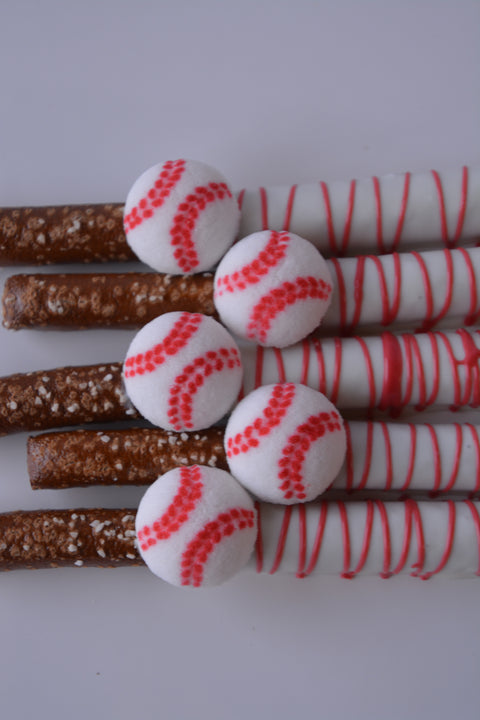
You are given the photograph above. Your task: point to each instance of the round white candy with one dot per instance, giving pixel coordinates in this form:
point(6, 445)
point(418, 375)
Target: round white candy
point(196, 526)
point(273, 288)
point(180, 217)
point(285, 442)
point(183, 371)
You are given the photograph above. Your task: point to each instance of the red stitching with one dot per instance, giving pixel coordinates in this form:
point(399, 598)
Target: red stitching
point(183, 504)
point(203, 544)
point(184, 222)
point(442, 208)
point(192, 378)
point(297, 446)
point(273, 252)
point(275, 302)
point(281, 398)
point(176, 339)
point(168, 177)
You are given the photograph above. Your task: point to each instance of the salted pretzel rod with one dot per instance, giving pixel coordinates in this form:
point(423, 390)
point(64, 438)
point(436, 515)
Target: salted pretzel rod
point(384, 372)
point(414, 289)
point(379, 214)
point(369, 537)
point(380, 456)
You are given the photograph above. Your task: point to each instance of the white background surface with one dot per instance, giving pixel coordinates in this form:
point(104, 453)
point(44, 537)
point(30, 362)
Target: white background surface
point(91, 94)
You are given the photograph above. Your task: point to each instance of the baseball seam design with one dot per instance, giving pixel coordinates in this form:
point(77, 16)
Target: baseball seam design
point(183, 504)
point(273, 252)
point(184, 222)
point(203, 544)
point(168, 177)
point(176, 339)
point(280, 400)
point(275, 302)
point(296, 448)
point(192, 378)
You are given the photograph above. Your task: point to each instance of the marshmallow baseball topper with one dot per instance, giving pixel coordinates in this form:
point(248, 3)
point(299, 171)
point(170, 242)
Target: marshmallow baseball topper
point(273, 288)
point(286, 443)
point(196, 526)
point(180, 217)
point(183, 371)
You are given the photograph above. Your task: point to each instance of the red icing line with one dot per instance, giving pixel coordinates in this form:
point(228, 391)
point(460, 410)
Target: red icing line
point(289, 210)
point(365, 544)
point(280, 365)
point(279, 298)
point(349, 458)
point(264, 205)
point(183, 504)
point(240, 199)
point(168, 177)
point(378, 209)
point(259, 539)
point(302, 544)
point(305, 362)
point(346, 540)
point(473, 314)
point(418, 566)
point(436, 459)
point(456, 460)
point(406, 539)
point(282, 539)
point(403, 210)
point(176, 339)
point(476, 443)
point(392, 373)
point(369, 369)
point(411, 462)
point(317, 543)
point(388, 457)
point(387, 548)
point(476, 523)
point(329, 217)
point(268, 258)
point(185, 218)
point(296, 449)
point(442, 208)
point(280, 399)
point(449, 543)
point(192, 378)
point(203, 544)
point(337, 372)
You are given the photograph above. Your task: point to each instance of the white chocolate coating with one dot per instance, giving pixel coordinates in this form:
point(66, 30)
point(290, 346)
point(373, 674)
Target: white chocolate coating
point(437, 288)
point(371, 537)
point(396, 211)
point(439, 369)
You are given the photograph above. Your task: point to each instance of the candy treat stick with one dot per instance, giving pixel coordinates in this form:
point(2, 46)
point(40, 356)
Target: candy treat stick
point(420, 290)
point(370, 537)
point(404, 211)
point(380, 456)
point(387, 372)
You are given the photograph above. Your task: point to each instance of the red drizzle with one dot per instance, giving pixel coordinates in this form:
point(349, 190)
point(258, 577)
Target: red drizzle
point(183, 504)
point(176, 339)
point(203, 544)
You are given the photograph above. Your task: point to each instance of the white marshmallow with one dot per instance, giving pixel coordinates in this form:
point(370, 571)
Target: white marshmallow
point(196, 526)
point(180, 217)
point(285, 443)
point(273, 288)
point(183, 371)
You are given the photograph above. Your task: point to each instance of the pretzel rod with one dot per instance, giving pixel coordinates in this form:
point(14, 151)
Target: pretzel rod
point(101, 300)
point(371, 537)
point(377, 215)
point(380, 456)
point(387, 372)
point(419, 289)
